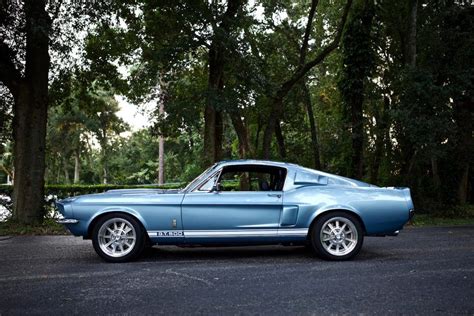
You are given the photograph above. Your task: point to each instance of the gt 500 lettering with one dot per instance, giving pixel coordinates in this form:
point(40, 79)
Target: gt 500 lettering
point(169, 233)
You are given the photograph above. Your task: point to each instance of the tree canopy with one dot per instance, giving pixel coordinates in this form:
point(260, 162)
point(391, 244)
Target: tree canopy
point(377, 90)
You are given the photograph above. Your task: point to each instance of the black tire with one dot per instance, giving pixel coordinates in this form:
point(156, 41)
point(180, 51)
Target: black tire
point(131, 248)
point(340, 245)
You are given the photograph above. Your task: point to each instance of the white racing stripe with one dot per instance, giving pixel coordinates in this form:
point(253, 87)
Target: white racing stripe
point(284, 232)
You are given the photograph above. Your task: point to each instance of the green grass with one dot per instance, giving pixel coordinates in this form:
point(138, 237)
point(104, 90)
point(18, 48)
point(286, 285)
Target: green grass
point(460, 215)
point(48, 227)
point(421, 220)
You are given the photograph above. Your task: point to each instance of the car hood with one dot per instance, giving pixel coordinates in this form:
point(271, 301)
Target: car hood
point(111, 194)
point(142, 191)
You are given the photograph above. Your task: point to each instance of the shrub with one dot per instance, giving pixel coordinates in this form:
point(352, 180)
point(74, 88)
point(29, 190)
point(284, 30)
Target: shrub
point(55, 192)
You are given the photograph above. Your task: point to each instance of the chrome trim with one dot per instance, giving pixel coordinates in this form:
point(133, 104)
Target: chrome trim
point(293, 232)
point(67, 221)
point(285, 232)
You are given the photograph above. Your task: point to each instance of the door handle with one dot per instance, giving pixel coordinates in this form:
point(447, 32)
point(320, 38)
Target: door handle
point(278, 195)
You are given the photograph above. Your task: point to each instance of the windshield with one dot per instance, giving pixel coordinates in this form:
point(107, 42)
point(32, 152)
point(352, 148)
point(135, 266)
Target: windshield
point(200, 177)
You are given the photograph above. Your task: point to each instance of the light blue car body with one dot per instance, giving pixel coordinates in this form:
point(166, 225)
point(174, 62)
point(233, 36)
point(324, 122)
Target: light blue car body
point(189, 216)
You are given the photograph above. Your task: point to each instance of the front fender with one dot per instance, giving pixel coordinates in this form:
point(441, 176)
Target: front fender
point(116, 209)
point(86, 215)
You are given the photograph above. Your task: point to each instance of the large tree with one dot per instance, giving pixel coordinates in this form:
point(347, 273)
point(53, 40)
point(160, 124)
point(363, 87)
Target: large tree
point(31, 31)
point(27, 39)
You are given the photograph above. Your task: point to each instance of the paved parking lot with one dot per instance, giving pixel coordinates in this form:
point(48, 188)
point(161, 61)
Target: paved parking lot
point(422, 271)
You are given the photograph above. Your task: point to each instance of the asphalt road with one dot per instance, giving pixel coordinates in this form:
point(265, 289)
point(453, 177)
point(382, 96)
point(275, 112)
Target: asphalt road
point(422, 271)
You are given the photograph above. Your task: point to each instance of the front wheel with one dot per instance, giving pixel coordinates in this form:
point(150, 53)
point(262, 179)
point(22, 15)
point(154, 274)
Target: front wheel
point(337, 236)
point(118, 238)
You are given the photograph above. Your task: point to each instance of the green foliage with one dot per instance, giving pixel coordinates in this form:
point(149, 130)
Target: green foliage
point(84, 109)
point(410, 118)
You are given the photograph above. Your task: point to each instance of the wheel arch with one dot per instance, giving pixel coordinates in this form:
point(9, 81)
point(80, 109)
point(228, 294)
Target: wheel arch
point(347, 211)
point(105, 212)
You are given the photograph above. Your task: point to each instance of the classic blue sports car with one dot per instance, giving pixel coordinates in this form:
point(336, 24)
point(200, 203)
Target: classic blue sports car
point(241, 203)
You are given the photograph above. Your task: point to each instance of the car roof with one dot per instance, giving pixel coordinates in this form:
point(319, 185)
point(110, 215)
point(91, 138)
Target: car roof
point(257, 162)
point(291, 166)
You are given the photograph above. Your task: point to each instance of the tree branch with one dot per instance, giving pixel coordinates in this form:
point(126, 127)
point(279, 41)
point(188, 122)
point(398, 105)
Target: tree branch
point(307, 33)
point(8, 172)
point(320, 57)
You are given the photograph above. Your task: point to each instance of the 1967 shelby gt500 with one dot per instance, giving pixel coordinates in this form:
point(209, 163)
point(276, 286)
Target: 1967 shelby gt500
point(241, 203)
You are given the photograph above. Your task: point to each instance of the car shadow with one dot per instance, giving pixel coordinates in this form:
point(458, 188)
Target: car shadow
point(167, 253)
point(244, 253)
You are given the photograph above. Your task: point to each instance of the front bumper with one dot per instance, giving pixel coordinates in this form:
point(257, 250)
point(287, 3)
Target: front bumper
point(67, 221)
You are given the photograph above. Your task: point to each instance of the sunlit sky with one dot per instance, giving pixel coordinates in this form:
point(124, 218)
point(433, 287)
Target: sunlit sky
point(137, 117)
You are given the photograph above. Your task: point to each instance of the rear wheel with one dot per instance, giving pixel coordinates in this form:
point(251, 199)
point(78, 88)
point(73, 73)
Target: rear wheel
point(118, 238)
point(337, 236)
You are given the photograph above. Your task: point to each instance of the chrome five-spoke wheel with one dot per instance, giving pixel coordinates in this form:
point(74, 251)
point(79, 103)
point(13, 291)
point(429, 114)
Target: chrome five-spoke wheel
point(337, 236)
point(118, 237)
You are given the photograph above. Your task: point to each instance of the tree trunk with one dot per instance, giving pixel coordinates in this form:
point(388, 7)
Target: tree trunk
point(380, 142)
point(209, 152)
point(280, 141)
point(312, 126)
point(105, 175)
point(213, 127)
point(464, 117)
point(219, 130)
point(358, 63)
point(77, 166)
point(212, 117)
point(105, 165)
point(410, 50)
point(242, 135)
point(29, 128)
point(257, 133)
point(66, 172)
point(435, 171)
point(161, 151)
point(357, 127)
point(30, 117)
point(58, 172)
point(271, 125)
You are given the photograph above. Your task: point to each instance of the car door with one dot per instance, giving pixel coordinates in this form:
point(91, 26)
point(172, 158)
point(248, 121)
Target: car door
point(236, 210)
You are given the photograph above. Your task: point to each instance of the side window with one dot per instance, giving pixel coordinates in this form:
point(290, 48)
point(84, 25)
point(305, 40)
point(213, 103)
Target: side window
point(207, 186)
point(252, 178)
point(235, 181)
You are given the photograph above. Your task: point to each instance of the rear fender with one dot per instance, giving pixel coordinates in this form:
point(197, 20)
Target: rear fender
point(336, 207)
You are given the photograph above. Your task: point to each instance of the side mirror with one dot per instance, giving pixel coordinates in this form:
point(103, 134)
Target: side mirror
point(216, 187)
